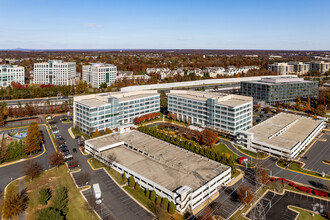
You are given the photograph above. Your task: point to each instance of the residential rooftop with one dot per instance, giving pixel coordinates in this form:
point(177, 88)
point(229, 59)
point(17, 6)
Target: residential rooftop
point(96, 100)
point(230, 100)
point(160, 162)
point(299, 128)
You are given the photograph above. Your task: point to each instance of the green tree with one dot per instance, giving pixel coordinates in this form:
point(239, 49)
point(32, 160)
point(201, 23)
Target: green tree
point(153, 195)
point(44, 196)
point(147, 193)
point(137, 186)
point(124, 178)
point(50, 214)
point(60, 201)
point(103, 85)
point(165, 203)
point(171, 208)
point(158, 200)
point(131, 182)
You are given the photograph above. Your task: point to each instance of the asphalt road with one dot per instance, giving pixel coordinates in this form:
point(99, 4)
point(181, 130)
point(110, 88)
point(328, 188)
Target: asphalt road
point(14, 171)
point(318, 152)
point(115, 201)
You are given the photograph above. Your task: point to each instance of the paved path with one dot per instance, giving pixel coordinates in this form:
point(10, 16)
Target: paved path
point(115, 201)
point(21, 190)
point(14, 171)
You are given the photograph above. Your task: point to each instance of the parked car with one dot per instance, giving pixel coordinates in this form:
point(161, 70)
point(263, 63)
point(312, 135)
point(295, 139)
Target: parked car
point(63, 146)
point(74, 150)
point(66, 153)
point(258, 120)
point(68, 157)
point(64, 149)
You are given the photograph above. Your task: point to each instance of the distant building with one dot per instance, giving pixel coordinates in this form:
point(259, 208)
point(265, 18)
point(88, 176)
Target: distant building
point(98, 73)
point(281, 68)
point(10, 73)
point(300, 68)
point(129, 75)
point(284, 135)
point(112, 110)
point(223, 112)
point(320, 66)
point(54, 72)
point(275, 57)
point(271, 90)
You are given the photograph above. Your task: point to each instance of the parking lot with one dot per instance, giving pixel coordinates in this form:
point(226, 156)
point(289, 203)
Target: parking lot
point(318, 152)
point(259, 117)
point(276, 206)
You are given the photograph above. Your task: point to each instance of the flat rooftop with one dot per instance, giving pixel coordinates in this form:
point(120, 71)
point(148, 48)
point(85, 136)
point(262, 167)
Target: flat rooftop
point(160, 162)
point(230, 100)
point(300, 129)
point(277, 81)
point(96, 100)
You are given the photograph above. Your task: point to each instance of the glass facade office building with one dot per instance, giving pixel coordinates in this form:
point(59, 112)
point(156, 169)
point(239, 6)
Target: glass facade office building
point(98, 73)
point(112, 110)
point(223, 112)
point(271, 90)
point(10, 73)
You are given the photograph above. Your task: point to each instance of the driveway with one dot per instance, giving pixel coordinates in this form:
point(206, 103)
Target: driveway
point(115, 201)
point(14, 171)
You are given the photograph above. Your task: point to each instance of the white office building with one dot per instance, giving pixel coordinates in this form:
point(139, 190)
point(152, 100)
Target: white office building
point(98, 73)
point(281, 68)
point(223, 112)
point(284, 135)
point(112, 110)
point(187, 179)
point(10, 73)
point(320, 66)
point(54, 72)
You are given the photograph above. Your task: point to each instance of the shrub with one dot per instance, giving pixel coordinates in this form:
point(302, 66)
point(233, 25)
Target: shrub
point(153, 195)
point(124, 178)
point(147, 192)
point(131, 182)
point(158, 200)
point(165, 203)
point(50, 214)
point(44, 196)
point(171, 208)
point(137, 186)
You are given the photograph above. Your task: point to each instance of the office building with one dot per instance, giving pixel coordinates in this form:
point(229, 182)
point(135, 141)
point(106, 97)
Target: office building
point(187, 179)
point(223, 112)
point(320, 66)
point(281, 68)
point(112, 110)
point(54, 72)
point(284, 135)
point(10, 73)
point(98, 73)
point(271, 90)
point(300, 68)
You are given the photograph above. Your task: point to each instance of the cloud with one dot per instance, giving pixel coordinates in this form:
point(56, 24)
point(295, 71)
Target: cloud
point(90, 25)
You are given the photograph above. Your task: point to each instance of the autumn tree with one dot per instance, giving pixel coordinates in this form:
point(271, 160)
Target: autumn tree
point(107, 131)
point(12, 205)
point(2, 122)
point(32, 169)
point(245, 195)
point(308, 104)
point(96, 134)
point(56, 159)
point(209, 137)
point(34, 139)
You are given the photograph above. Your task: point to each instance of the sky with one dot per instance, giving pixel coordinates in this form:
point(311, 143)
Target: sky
point(170, 24)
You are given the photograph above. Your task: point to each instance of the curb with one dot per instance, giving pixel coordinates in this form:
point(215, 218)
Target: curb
point(302, 172)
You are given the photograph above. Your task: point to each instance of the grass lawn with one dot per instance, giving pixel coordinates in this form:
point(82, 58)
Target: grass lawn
point(297, 167)
point(253, 154)
point(76, 132)
point(305, 215)
point(66, 121)
point(52, 179)
point(176, 122)
point(223, 148)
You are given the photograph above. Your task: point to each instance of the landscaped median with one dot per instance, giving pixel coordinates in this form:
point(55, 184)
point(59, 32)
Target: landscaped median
point(297, 167)
point(258, 155)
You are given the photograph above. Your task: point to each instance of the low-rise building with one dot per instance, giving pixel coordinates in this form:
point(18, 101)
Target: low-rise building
point(284, 135)
point(271, 90)
point(223, 112)
point(10, 73)
point(129, 75)
point(54, 72)
point(98, 73)
point(187, 179)
point(281, 68)
point(300, 68)
point(320, 66)
point(112, 110)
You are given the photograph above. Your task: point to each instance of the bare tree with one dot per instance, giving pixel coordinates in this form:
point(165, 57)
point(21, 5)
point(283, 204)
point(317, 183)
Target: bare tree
point(32, 169)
